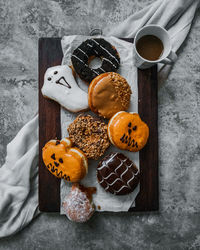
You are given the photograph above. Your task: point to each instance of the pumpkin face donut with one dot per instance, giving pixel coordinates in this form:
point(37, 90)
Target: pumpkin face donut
point(127, 131)
point(65, 161)
point(108, 94)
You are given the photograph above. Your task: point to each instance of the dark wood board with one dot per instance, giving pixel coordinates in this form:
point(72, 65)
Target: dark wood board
point(50, 54)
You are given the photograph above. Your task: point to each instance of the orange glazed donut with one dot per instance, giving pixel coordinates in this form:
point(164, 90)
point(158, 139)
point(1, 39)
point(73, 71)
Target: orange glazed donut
point(127, 131)
point(108, 94)
point(65, 161)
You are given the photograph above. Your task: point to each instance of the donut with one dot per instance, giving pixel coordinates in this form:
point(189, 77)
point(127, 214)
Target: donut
point(90, 135)
point(127, 131)
point(78, 205)
point(96, 47)
point(117, 174)
point(108, 94)
point(65, 161)
point(61, 86)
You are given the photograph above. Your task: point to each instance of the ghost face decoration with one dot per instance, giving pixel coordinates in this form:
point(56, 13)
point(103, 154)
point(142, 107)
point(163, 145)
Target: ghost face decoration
point(60, 86)
point(65, 161)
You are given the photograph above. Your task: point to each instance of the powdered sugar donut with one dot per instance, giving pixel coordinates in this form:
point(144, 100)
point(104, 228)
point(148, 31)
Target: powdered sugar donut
point(60, 86)
point(78, 205)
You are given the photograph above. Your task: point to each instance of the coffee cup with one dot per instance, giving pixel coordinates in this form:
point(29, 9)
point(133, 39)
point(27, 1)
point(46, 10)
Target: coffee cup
point(160, 40)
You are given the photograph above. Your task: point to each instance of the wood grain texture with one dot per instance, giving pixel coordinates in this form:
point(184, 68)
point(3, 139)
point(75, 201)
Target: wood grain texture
point(50, 54)
point(148, 198)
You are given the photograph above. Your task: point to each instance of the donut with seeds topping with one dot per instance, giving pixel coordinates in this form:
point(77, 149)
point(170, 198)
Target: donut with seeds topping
point(89, 134)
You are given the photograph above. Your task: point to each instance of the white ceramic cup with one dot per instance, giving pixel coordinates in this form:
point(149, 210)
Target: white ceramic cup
point(168, 56)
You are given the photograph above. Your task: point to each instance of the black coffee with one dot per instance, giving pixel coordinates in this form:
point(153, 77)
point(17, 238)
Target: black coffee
point(150, 47)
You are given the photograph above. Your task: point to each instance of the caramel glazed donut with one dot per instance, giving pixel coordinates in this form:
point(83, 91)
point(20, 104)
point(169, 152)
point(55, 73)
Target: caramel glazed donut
point(97, 47)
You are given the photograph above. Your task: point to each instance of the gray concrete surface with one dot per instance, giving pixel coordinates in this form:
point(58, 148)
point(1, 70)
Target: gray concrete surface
point(177, 225)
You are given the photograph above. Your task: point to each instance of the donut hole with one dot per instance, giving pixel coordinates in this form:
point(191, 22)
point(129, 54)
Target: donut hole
point(94, 62)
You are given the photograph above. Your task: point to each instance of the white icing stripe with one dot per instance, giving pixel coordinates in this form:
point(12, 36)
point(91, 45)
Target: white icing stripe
point(79, 59)
point(95, 72)
point(101, 181)
point(130, 165)
point(99, 168)
point(85, 64)
point(105, 178)
point(121, 189)
point(107, 187)
point(83, 52)
point(89, 45)
point(113, 181)
point(136, 173)
point(102, 69)
point(109, 61)
point(123, 173)
point(130, 180)
point(118, 167)
point(105, 50)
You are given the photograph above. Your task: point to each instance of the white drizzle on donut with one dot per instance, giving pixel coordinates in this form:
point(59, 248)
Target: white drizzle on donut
point(105, 50)
point(79, 59)
point(83, 52)
point(109, 61)
point(97, 47)
point(102, 69)
point(104, 179)
point(95, 72)
point(89, 45)
point(85, 64)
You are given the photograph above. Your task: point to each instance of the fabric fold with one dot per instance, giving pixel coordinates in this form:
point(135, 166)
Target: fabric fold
point(19, 180)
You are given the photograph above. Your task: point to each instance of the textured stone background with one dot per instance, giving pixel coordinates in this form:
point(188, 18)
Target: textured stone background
point(177, 225)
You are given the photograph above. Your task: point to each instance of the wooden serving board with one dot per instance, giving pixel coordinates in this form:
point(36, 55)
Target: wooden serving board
point(50, 54)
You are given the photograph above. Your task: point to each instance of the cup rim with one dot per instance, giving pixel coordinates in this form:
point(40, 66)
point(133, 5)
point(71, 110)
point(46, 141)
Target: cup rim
point(151, 25)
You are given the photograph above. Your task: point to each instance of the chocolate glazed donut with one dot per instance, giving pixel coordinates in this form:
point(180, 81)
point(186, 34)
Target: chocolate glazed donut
point(117, 174)
point(97, 47)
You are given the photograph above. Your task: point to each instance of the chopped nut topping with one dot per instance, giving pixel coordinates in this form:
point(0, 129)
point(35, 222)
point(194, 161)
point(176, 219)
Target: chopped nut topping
point(122, 88)
point(90, 135)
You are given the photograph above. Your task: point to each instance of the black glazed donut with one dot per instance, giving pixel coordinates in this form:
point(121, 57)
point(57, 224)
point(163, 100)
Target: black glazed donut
point(97, 47)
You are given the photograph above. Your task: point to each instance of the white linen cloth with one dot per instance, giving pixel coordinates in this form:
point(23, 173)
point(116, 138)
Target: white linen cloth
point(19, 180)
point(102, 199)
point(18, 176)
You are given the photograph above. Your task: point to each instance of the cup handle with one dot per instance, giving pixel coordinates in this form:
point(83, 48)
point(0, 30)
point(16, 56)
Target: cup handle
point(170, 59)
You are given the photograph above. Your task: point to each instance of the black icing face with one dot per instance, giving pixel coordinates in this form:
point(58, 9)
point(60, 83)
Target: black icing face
point(56, 76)
point(63, 82)
point(53, 166)
point(128, 138)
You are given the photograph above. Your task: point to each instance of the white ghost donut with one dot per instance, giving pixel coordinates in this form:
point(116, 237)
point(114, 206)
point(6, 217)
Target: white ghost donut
point(60, 86)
